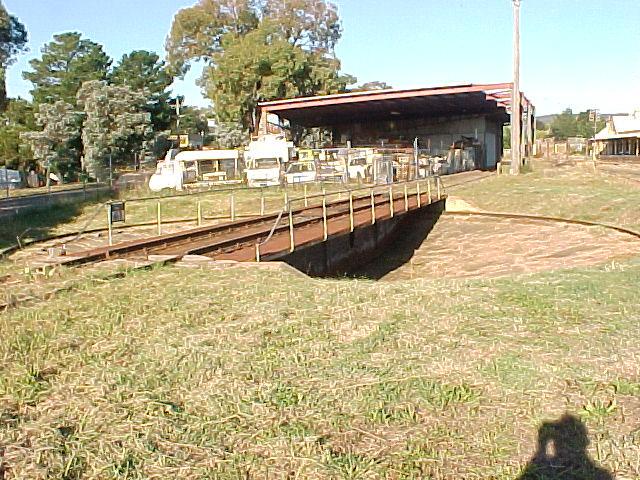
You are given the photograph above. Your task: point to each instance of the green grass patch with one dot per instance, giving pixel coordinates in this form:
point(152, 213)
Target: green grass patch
point(568, 193)
point(195, 373)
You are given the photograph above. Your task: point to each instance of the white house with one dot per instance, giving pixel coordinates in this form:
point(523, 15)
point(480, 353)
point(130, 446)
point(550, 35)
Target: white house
point(621, 136)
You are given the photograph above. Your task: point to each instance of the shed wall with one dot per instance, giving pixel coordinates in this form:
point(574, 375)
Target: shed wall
point(434, 133)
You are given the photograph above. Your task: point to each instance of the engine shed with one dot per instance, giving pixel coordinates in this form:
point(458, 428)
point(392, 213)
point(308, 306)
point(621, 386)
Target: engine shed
point(438, 117)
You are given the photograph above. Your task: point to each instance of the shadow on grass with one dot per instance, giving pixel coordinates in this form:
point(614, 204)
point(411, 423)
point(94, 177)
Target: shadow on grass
point(406, 240)
point(562, 453)
point(36, 222)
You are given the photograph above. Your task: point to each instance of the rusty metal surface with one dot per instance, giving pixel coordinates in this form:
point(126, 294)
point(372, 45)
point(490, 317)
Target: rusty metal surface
point(237, 240)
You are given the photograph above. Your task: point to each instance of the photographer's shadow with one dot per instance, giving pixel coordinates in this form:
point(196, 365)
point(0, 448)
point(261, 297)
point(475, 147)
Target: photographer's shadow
point(562, 453)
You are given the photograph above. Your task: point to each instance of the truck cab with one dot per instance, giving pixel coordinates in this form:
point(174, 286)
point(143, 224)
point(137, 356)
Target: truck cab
point(266, 159)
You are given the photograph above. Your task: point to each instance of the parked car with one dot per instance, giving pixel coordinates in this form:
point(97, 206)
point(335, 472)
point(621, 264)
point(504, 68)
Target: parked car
point(301, 172)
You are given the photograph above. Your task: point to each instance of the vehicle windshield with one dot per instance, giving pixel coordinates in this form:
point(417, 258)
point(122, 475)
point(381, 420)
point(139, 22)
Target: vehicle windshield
point(301, 167)
point(266, 163)
point(359, 161)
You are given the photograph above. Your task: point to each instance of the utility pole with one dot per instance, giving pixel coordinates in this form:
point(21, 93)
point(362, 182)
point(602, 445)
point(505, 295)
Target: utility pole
point(594, 116)
point(515, 100)
point(178, 103)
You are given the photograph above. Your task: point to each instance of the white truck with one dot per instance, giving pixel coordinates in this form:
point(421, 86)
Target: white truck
point(266, 159)
point(191, 166)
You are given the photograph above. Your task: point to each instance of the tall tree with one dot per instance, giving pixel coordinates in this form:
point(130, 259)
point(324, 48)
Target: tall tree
point(263, 66)
point(375, 85)
point(196, 32)
point(13, 40)
point(115, 118)
point(144, 72)
point(587, 128)
point(67, 62)
point(311, 24)
point(258, 50)
point(194, 120)
point(564, 125)
point(17, 119)
point(568, 124)
point(54, 146)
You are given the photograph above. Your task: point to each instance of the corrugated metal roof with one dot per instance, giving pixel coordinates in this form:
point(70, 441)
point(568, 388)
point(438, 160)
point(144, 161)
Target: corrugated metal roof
point(394, 104)
point(621, 126)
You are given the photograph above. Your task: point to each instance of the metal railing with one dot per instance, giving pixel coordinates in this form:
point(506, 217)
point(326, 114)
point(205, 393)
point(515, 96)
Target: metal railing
point(389, 193)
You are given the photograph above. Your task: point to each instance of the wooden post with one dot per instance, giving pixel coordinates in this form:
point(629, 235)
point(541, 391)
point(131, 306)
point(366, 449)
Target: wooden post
point(406, 199)
point(110, 225)
point(261, 201)
point(286, 200)
point(391, 201)
point(350, 211)
point(515, 100)
point(429, 189)
point(438, 187)
point(325, 227)
point(159, 217)
point(258, 252)
point(199, 212)
point(418, 199)
point(373, 208)
point(232, 206)
point(292, 243)
point(306, 201)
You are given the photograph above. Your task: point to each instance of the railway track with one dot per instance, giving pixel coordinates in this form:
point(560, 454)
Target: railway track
point(544, 218)
point(237, 240)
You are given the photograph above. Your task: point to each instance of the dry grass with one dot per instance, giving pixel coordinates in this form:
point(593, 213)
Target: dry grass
point(208, 374)
point(564, 192)
point(183, 373)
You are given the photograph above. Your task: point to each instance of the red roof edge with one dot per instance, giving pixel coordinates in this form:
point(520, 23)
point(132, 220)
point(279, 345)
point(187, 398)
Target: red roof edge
point(354, 97)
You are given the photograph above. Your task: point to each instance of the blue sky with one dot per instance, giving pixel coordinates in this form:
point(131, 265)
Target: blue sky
point(575, 53)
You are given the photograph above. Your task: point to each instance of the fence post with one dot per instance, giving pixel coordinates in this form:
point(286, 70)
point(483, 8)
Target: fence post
point(429, 188)
point(232, 206)
point(391, 201)
point(159, 218)
point(306, 201)
point(406, 199)
point(258, 252)
point(351, 210)
point(199, 212)
point(373, 208)
point(325, 230)
point(292, 243)
point(438, 187)
point(418, 199)
point(109, 224)
point(261, 201)
point(286, 200)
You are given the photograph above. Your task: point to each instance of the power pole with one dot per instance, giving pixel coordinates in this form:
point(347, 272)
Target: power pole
point(515, 100)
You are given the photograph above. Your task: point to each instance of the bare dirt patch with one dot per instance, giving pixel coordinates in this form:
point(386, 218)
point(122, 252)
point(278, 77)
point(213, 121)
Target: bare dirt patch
point(475, 247)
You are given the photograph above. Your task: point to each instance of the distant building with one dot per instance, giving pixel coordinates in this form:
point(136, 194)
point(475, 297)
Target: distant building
point(440, 118)
point(621, 136)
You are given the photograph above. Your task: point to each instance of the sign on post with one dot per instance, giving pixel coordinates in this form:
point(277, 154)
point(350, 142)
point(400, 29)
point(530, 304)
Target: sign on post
point(117, 212)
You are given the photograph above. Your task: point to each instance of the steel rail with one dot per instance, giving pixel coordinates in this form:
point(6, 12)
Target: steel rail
point(188, 238)
point(245, 240)
point(546, 218)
